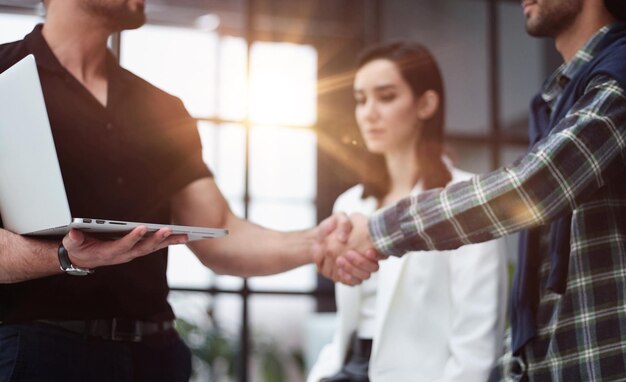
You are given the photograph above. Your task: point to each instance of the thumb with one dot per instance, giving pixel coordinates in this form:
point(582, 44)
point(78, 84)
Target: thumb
point(74, 239)
point(326, 227)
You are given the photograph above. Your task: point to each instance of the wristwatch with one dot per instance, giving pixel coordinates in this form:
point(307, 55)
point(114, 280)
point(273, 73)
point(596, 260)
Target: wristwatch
point(66, 264)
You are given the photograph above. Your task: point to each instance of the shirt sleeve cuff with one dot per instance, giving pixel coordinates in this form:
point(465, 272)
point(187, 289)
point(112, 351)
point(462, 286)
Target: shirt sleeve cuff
point(386, 232)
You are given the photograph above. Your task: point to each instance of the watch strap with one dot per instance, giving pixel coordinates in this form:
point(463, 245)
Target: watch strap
point(66, 264)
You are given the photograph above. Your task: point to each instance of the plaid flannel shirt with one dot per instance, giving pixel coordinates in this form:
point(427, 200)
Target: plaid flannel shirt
point(580, 168)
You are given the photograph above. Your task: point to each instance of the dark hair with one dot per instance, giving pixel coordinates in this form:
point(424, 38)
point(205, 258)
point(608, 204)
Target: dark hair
point(421, 72)
point(617, 8)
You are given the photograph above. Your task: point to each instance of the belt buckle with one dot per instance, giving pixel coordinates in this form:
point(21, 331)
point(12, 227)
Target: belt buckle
point(126, 334)
point(515, 368)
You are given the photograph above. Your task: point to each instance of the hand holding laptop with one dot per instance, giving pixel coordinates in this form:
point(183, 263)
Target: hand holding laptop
point(85, 251)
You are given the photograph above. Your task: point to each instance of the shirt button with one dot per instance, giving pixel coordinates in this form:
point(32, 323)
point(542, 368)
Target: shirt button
point(109, 126)
point(120, 180)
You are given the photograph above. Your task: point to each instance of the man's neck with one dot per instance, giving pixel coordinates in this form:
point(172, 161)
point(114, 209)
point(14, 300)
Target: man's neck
point(573, 38)
point(79, 44)
point(79, 41)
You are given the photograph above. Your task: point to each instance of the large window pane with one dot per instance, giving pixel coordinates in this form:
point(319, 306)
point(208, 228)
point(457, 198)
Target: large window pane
point(223, 149)
point(184, 270)
point(283, 84)
point(471, 157)
point(286, 217)
point(232, 100)
point(15, 27)
point(510, 154)
point(178, 60)
point(282, 163)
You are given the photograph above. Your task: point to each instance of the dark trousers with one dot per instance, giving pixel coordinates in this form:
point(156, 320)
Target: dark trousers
point(38, 352)
point(356, 367)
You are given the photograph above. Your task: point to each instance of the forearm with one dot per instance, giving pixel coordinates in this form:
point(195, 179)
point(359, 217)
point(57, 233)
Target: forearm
point(23, 258)
point(248, 249)
point(251, 250)
point(583, 154)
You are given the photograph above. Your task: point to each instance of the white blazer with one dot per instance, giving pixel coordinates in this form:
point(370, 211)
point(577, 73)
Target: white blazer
point(439, 315)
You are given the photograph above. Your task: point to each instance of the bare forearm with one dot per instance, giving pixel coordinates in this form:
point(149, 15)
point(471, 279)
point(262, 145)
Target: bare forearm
point(248, 250)
point(23, 258)
point(251, 250)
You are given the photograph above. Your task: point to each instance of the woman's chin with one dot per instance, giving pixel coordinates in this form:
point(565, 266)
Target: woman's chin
point(375, 147)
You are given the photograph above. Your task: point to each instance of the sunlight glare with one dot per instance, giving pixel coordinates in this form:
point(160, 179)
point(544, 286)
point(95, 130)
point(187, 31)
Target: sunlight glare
point(180, 61)
point(283, 84)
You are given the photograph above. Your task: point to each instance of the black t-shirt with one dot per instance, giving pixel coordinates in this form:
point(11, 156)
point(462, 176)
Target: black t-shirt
point(121, 162)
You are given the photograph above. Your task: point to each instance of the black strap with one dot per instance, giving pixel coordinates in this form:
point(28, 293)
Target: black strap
point(114, 329)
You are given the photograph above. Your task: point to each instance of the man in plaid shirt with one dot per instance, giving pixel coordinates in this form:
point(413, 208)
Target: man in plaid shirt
point(568, 194)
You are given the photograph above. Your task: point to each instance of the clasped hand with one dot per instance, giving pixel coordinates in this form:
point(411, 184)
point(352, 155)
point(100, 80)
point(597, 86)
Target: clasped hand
point(344, 251)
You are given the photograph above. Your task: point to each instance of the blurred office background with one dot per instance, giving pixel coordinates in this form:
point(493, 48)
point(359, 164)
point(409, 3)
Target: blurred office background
point(270, 84)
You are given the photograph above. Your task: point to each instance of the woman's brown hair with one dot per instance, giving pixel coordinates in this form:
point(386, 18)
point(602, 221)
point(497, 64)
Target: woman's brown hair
point(421, 72)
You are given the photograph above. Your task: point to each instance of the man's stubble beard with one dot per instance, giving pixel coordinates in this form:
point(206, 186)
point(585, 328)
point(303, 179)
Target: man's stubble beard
point(117, 14)
point(553, 17)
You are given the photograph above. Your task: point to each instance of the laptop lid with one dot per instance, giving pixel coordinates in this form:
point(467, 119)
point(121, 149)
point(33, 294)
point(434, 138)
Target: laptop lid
point(32, 194)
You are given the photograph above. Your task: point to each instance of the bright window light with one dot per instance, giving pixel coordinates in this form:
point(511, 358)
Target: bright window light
point(232, 89)
point(283, 79)
point(282, 163)
point(223, 149)
point(285, 217)
point(185, 270)
point(178, 60)
point(15, 27)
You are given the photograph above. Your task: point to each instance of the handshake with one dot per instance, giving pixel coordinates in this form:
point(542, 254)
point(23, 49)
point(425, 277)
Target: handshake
point(344, 251)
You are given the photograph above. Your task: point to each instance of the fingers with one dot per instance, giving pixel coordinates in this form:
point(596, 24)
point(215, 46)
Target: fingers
point(357, 265)
point(327, 226)
point(327, 246)
point(354, 267)
point(357, 261)
point(339, 223)
point(91, 252)
point(152, 243)
point(373, 255)
point(347, 279)
point(126, 243)
point(324, 261)
point(345, 268)
point(331, 253)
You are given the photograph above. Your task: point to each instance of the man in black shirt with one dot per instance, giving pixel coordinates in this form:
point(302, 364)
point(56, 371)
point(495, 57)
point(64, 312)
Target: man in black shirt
point(128, 151)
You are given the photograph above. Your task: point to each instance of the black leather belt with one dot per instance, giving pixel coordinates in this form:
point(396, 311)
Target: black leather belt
point(114, 329)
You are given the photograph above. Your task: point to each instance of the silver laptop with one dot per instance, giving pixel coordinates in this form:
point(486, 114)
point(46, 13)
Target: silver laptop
point(32, 195)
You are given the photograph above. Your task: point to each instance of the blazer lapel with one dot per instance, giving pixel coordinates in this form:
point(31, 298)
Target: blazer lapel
point(390, 273)
point(349, 303)
point(389, 276)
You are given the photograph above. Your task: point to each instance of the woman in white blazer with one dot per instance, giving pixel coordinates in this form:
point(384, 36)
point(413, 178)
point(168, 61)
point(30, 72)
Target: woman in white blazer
point(431, 316)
